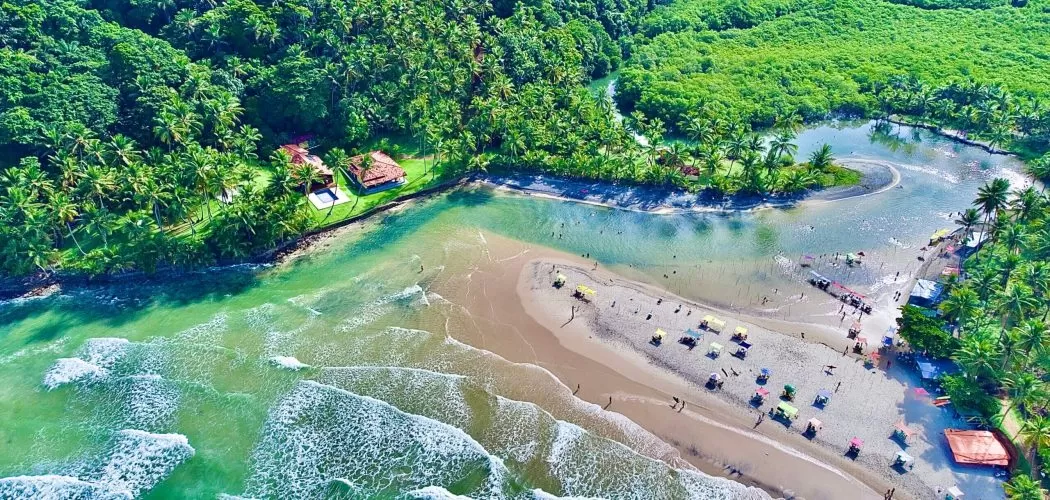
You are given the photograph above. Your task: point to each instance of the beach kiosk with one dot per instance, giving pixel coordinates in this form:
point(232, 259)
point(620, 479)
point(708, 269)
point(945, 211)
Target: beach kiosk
point(658, 337)
point(764, 374)
point(789, 392)
point(785, 411)
point(712, 323)
point(560, 280)
point(855, 445)
point(760, 396)
point(740, 333)
point(901, 432)
point(813, 426)
point(823, 398)
point(584, 293)
point(903, 460)
point(714, 350)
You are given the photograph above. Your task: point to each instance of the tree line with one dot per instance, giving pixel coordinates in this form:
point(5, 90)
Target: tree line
point(993, 323)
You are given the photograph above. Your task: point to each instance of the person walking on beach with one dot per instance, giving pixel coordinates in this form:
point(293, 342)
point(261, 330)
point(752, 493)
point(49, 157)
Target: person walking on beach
point(577, 389)
point(609, 404)
point(676, 401)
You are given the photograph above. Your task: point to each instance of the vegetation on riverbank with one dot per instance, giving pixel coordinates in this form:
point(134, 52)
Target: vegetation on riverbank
point(976, 71)
point(993, 323)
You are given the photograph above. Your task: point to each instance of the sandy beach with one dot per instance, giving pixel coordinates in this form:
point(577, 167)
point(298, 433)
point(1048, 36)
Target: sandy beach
point(867, 400)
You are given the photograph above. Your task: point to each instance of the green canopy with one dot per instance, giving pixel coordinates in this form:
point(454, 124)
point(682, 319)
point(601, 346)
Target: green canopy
point(788, 410)
point(789, 388)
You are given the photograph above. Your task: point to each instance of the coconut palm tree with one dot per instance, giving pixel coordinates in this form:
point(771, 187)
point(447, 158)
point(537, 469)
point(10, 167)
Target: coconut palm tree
point(968, 219)
point(1033, 337)
point(820, 160)
point(960, 305)
point(1035, 434)
point(1022, 487)
point(978, 355)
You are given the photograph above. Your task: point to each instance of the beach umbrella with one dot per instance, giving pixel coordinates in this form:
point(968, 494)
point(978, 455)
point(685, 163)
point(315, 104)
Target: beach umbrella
point(922, 392)
point(762, 391)
point(765, 372)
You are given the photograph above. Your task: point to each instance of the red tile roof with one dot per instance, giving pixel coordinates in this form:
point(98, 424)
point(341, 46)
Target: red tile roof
point(384, 169)
point(302, 155)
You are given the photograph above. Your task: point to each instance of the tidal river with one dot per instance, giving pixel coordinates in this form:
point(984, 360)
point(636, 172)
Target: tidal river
point(347, 374)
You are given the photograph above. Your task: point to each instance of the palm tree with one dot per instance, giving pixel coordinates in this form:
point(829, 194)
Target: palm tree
point(1021, 487)
point(1033, 335)
point(307, 175)
point(1036, 435)
point(65, 212)
point(781, 144)
point(1014, 302)
point(968, 220)
point(977, 356)
point(991, 198)
point(960, 305)
point(820, 160)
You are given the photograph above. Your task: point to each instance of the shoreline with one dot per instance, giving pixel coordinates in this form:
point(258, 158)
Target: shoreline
point(878, 176)
point(872, 401)
point(953, 135)
point(41, 285)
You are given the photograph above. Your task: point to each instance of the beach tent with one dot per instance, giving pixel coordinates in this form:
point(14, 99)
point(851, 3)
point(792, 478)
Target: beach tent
point(954, 493)
point(715, 349)
point(926, 293)
point(762, 391)
point(814, 425)
point(713, 323)
point(660, 334)
point(787, 410)
point(740, 333)
point(939, 235)
point(694, 334)
point(929, 371)
point(901, 430)
point(977, 447)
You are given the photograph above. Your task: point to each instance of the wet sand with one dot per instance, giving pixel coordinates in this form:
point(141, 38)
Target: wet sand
point(709, 434)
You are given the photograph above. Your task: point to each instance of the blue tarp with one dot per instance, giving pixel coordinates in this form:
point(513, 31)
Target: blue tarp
point(929, 371)
point(926, 293)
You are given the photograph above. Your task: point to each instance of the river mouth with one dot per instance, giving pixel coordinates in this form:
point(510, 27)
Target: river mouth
point(370, 322)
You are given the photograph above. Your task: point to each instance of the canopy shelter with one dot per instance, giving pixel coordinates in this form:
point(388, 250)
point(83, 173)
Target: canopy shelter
point(873, 357)
point(902, 458)
point(855, 328)
point(740, 333)
point(560, 280)
point(659, 335)
point(585, 290)
point(862, 340)
point(762, 392)
point(887, 341)
point(939, 235)
point(926, 293)
point(954, 493)
point(814, 425)
point(840, 285)
point(787, 411)
point(929, 371)
point(715, 377)
point(856, 442)
point(901, 430)
point(852, 258)
point(765, 372)
point(921, 392)
point(694, 334)
point(713, 323)
point(977, 447)
point(715, 349)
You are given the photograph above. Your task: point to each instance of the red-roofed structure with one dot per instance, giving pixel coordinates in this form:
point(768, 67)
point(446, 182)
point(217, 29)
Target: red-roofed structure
point(978, 447)
point(301, 155)
point(375, 171)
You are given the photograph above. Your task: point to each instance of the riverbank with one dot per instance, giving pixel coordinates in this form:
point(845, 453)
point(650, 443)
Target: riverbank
point(877, 176)
point(954, 135)
point(867, 401)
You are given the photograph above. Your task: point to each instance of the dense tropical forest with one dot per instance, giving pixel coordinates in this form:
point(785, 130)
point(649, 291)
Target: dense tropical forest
point(983, 72)
point(993, 323)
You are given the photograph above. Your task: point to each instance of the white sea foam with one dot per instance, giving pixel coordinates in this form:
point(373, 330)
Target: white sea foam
point(104, 351)
point(435, 493)
point(374, 310)
point(288, 362)
point(951, 178)
point(69, 370)
point(139, 460)
point(317, 432)
point(56, 487)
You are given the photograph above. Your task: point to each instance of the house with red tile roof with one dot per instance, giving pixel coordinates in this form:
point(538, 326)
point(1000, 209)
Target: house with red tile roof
point(301, 155)
point(375, 172)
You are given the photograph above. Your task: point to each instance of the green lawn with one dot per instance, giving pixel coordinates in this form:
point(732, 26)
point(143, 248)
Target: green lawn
point(359, 204)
